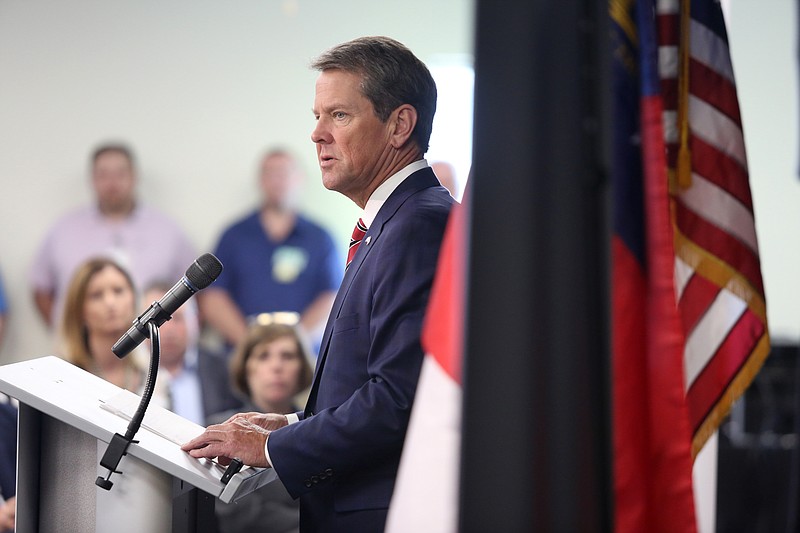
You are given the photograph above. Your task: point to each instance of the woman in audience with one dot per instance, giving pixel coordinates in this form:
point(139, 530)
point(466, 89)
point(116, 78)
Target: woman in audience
point(99, 308)
point(270, 368)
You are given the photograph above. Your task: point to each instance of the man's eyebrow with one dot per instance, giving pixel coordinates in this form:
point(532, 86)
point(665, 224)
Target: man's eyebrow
point(335, 106)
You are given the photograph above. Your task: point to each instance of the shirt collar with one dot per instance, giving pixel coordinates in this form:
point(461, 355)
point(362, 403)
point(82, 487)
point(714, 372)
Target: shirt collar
point(385, 189)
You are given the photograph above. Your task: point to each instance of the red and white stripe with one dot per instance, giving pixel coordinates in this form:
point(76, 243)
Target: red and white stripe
point(717, 273)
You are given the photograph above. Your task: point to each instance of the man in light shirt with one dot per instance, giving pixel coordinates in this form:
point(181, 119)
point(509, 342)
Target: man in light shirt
point(144, 241)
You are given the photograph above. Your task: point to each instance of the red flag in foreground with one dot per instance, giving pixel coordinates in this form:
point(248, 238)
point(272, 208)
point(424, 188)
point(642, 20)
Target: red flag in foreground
point(426, 492)
point(689, 321)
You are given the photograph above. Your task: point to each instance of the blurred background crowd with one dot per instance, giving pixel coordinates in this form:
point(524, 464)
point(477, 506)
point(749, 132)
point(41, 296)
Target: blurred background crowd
point(139, 136)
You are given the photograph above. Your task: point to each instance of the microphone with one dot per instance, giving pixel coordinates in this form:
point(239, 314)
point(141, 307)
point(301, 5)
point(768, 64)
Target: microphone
point(199, 275)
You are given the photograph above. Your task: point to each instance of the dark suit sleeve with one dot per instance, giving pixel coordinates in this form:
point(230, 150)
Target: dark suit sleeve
point(372, 369)
point(8, 450)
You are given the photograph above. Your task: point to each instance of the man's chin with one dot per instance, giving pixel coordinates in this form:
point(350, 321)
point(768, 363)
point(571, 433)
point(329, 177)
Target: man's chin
point(330, 182)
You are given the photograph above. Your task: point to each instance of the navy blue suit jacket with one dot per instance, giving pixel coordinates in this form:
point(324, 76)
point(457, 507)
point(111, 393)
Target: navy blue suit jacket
point(8, 450)
point(341, 459)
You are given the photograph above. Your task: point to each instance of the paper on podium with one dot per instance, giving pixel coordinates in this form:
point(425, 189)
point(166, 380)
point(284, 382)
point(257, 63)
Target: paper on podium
point(78, 398)
point(160, 421)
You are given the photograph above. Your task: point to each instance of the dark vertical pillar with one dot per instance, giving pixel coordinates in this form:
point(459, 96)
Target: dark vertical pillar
point(536, 448)
point(192, 509)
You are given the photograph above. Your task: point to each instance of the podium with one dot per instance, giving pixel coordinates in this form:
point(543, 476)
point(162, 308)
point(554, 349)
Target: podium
point(67, 417)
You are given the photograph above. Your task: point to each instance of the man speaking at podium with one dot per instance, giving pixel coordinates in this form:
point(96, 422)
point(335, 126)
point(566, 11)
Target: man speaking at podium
point(374, 107)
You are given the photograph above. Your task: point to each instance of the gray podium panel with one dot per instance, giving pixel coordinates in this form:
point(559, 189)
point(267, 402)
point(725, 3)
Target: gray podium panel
point(67, 417)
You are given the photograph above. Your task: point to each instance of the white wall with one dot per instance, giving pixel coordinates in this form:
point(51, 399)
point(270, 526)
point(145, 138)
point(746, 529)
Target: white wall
point(763, 42)
point(198, 87)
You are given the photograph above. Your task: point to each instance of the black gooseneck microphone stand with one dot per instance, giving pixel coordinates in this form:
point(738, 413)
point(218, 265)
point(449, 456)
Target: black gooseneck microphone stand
point(119, 443)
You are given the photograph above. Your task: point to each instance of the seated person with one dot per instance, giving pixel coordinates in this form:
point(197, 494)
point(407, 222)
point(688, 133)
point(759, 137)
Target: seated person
point(270, 367)
point(99, 308)
point(198, 378)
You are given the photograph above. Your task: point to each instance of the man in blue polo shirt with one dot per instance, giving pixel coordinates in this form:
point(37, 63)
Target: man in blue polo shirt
point(275, 260)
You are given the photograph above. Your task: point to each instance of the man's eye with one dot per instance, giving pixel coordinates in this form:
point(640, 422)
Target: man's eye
point(339, 115)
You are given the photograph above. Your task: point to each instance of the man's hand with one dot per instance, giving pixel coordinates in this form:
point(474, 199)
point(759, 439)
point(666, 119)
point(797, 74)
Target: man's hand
point(242, 436)
point(268, 421)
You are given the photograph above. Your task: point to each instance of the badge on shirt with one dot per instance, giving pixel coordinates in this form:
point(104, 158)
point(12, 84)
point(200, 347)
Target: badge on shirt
point(287, 263)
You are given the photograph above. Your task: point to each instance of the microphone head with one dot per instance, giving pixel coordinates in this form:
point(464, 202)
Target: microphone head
point(204, 271)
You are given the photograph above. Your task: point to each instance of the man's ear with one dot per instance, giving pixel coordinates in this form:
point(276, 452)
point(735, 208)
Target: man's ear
point(404, 119)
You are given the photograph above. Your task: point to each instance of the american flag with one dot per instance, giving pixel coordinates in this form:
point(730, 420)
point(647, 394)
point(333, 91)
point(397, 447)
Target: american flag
point(717, 272)
point(684, 233)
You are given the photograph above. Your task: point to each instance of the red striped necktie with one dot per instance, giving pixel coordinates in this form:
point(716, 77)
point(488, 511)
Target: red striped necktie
point(355, 240)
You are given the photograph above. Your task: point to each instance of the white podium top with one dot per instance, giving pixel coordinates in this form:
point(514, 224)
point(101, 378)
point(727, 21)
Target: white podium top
point(99, 408)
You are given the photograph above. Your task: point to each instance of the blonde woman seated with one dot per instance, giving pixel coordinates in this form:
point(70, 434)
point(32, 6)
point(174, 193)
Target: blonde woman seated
point(270, 368)
point(99, 308)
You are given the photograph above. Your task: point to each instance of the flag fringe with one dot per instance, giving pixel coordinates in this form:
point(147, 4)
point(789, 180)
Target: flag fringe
point(720, 273)
point(733, 392)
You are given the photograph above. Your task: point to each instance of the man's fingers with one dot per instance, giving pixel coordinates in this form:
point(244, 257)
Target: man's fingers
point(209, 451)
point(200, 441)
point(246, 416)
point(197, 442)
point(238, 438)
point(269, 421)
point(246, 424)
point(211, 434)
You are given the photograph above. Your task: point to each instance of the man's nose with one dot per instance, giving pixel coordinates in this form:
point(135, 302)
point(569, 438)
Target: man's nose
point(320, 133)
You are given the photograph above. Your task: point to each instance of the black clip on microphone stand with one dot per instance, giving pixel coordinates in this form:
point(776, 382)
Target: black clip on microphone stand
point(119, 444)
